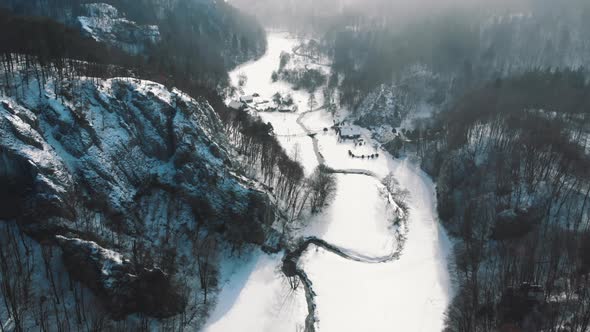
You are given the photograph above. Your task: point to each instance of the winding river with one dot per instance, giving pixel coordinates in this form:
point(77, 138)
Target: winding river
point(354, 271)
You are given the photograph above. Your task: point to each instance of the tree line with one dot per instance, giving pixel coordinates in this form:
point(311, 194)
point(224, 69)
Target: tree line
point(511, 162)
point(257, 145)
point(465, 47)
point(199, 41)
point(46, 48)
point(303, 77)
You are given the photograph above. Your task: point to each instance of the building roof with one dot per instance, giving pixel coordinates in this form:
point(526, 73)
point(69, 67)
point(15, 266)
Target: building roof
point(248, 98)
point(235, 105)
point(350, 131)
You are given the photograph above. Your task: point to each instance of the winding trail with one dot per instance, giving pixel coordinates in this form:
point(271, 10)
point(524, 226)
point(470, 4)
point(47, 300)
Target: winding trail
point(345, 253)
point(290, 261)
point(311, 134)
point(356, 171)
point(291, 269)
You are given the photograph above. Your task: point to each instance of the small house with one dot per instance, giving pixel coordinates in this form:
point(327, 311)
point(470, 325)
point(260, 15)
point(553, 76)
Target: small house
point(236, 105)
point(349, 132)
point(247, 99)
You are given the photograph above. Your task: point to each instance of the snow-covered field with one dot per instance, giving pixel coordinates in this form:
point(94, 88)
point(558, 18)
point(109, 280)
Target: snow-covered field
point(255, 297)
point(357, 218)
point(409, 294)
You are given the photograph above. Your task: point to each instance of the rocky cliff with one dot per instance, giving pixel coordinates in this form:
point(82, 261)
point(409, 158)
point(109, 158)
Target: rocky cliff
point(130, 181)
point(104, 23)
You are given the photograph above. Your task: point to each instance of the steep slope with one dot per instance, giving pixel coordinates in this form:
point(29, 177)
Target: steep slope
point(104, 23)
point(133, 183)
point(512, 162)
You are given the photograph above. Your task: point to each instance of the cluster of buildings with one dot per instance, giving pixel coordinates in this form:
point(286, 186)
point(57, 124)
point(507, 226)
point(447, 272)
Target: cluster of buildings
point(255, 102)
point(243, 103)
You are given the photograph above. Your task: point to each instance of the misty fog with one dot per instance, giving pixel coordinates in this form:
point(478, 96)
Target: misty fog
point(298, 14)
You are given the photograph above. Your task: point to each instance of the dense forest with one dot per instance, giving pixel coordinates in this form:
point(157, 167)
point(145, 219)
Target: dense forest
point(511, 162)
point(462, 47)
point(200, 40)
point(46, 46)
point(50, 41)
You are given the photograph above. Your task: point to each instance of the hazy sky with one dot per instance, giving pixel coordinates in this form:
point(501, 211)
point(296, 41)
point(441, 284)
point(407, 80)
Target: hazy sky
point(269, 9)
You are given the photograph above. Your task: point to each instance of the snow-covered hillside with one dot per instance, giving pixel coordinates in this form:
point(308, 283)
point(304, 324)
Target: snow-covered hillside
point(415, 95)
point(128, 179)
point(105, 23)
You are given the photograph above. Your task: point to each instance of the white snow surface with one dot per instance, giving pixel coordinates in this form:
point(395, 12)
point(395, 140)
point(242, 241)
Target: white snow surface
point(256, 297)
point(408, 294)
point(357, 219)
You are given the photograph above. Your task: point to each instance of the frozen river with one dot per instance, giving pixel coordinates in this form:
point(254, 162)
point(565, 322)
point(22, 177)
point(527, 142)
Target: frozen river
point(406, 294)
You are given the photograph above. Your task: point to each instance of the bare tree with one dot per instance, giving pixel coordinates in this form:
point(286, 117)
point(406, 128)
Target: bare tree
point(207, 249)
point(322, 185)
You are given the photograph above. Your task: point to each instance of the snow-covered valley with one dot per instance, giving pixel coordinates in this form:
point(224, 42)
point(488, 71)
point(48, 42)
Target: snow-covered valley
point(401, 279)
point(170, 165)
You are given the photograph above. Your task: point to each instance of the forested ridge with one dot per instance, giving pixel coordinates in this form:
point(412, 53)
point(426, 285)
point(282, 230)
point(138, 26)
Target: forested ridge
point(48, 40)
point(49, 47)
point(511, 162)
point(47, 44)
point(200, 40)
point(461, 48)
